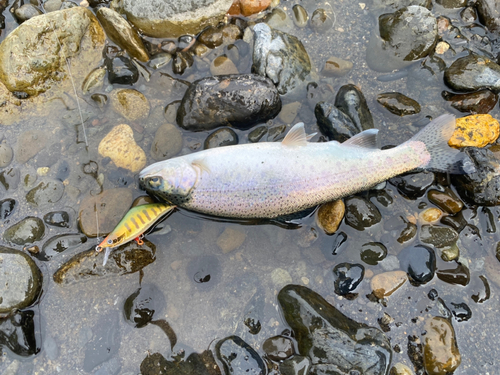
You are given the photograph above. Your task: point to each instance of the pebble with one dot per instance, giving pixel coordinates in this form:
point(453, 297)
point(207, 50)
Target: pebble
point(321, 21)
point(249, 7)
point(419, 262)
point(401, 369)
point(441, 355)
point(408, 233)
point(221, 137)
point(6, 154)
point(488, 12)
point(449, 253)
point(230, 240)
point(182, 61)
point(398, 104)
point(222, 65)
point(373, 252)
point(57, 244)
point(431, 215)
point(9, 179)
point(336, 67)
point(347, 277)
point(107, 208)
point(278, 348)
point(385, 284)
point(352, 102)
point(482, 101)
point(300, 16)
point(333, 123)
point(289, 112)
point(460, 275)
point(57, 219)
point(446, 200)
point(256, 134)
point(361, 213)
point(473, 72)
point(121, 71)
point(26, 231)
point(475, 130)
point(45, 193)
point(120, 146)
point(166, 143)
point(20, 280)
point(461, 312)
point(413, 185)
point(7, 207)
point(130, 103)
point(330, 215)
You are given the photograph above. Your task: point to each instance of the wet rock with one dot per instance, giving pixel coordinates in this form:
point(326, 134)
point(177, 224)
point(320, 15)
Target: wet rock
point(182, 61)
point(280, 57)
point(452, 3)
point(30, 143)
point(57, 244)
point(438, 236)
point(46, 192)
point(100, 100)
point(121, 33)
point(398, 103)
point(28, 230)
point(289, 112)
point(130, 103)
point(384, 284)
point(330, 339)
point(57, 219)
point(223, 65)
point(230, 239)
point(142, 305)
point(20, 280)
point(19, 333)
point(75, 30)
point(221, 137)
point(160, 60)
point(297, 365)
point(413, 185)
point(472, 73)
point(419, 262)
point(211, 37)
point(121, 71)
point(249, 7)
point(401, 369)
point(166, 143)
point(6, 154)
point(446, 200)
point(237, 357)
point(52, 5)
point(105, 342)
point(460, 275)
point(347, 277)
point(7, 206)
point(173, 18)
point(475, 130)
point(408, 233)
point(330, 215)
point(352, 102)
point(108, 208)
point(489, 11)
point(482, 186)
point(256, 134)
point(482, 101)
point(278, 348)
point(26, 11)
point(195, 363)
point(431, 215)
point(128, 258)
point(373, 252)
point(461, 312)
point(334, 123)
point(393, 5)
point(456, 221)
point(120, 146)
point(441, 355)
point(361, 213)
point(300, 16)
point(321, 20)
point(237, 100)
point(9, 179)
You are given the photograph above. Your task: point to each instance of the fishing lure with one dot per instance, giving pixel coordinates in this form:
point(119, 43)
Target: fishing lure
point(133, 225)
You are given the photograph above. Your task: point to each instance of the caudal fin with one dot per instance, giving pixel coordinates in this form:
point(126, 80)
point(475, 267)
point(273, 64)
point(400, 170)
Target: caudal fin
point(435, 136)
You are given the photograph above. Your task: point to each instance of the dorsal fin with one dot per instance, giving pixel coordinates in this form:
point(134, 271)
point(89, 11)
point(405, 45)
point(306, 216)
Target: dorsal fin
point(296, 136)
point(365, 139)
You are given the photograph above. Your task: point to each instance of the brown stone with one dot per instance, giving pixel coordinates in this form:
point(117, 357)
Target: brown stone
point(441, 355)
point(384, 284)
point(330, 215)
point(249, 7)
point(230, 240)
point(130, 103)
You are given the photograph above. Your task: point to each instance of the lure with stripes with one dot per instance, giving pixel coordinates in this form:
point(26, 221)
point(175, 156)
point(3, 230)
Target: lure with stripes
point(133, 225)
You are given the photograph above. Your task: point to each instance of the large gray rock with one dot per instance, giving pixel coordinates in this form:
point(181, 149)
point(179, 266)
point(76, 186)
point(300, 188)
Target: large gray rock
point(473, 72)
point(280, 57)
point(20, 280)
point(173, 18)
point(334, 343)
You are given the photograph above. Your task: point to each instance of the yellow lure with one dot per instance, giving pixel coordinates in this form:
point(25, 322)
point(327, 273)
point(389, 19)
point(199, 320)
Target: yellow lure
point(137, 221)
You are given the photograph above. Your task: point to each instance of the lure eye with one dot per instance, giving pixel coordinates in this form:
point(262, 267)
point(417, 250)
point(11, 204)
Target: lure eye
point(154, 182)
point(109, 242)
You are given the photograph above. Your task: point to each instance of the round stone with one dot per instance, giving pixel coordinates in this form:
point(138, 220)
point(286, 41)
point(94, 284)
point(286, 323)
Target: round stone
point(28, 230)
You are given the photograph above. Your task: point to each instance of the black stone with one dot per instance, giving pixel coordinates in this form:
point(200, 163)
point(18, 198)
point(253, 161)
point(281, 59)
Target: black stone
point(236, 100)
point(121, 71)
point(141, 306)
point(19, 333)
point(361, 213)
point(461, 311)
point(456, 222)
point(433, 294)
point(413, 185)
point(419, 262)
point(459, 275)
point(398, 103)
point(347, 277)
point(7, 206)
point(333, 123)
point(473, 72)
point(221, 137)
point(182, 61)
point(278, 348)
point(489, 14)
point(26, 231)
point(352, 102)
point(237, 357)
point(334, 343)
point(373, 252)
point(57, 219)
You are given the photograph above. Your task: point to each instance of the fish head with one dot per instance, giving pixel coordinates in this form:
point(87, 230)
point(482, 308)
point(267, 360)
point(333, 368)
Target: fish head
point(171, 180)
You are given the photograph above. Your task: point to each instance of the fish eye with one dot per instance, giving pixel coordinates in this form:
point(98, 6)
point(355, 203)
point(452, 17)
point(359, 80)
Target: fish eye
point(154, 182)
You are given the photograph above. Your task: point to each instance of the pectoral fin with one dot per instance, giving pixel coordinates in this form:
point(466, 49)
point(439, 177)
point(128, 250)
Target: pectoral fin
point(296, 136)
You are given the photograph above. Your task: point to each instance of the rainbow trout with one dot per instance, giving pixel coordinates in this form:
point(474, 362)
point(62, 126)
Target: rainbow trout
point(270, 179)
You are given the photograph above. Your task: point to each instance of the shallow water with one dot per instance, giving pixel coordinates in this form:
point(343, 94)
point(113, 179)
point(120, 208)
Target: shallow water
point(71, 316)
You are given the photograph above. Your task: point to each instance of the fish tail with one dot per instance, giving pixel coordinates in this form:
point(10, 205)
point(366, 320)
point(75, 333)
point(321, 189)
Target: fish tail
point(438, 156)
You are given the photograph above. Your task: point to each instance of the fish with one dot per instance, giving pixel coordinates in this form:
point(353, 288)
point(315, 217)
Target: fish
point(133, 225)
point(269, 180)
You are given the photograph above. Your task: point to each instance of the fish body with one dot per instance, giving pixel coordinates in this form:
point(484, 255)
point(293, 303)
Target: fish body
point(269, 180)
point(137, 221)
